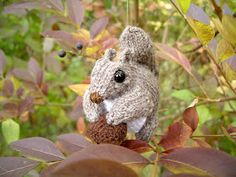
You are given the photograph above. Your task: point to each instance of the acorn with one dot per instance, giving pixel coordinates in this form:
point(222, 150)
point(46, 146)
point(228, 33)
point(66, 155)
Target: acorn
point(101, 132)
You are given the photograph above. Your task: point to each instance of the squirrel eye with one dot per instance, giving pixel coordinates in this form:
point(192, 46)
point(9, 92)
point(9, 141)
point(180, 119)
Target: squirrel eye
point(119, 76)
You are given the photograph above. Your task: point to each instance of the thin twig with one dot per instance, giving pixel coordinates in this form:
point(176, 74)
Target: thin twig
point(207, 101)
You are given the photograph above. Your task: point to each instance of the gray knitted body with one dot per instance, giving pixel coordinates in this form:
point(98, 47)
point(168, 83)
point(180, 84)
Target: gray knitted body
point(134, 100)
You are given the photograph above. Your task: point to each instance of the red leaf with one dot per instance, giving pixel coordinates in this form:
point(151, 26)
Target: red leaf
point(108, 152)
point(20, 92)
point(167, 52)
point(35, 71)
point(202, 143)
point(72, 142)
point(11, 109)
point(137, 145)
point(81, 125)
point(8, 88)
point(176, 136)
point(25, 105)
point(77, 110)
point(231, 129)
point(23, 75)
point(98, 26)
point(92, 167)
point(52, 64)
point(76, 11)
point(200, 161)
point(65, 38)
point(190, 117)
point(38, 147)
point(2, 62)
point(16, 166)
point(197, 13)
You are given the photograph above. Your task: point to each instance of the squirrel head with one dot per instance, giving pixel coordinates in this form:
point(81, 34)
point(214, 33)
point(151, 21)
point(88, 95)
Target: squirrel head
point(110, 79)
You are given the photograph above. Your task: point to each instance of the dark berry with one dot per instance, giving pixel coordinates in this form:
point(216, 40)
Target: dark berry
point(79, 45)
point(119, 76)
point(62, 53)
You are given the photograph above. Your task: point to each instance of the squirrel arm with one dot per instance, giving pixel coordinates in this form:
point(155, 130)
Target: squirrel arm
point(91, 110)
point(137, 103)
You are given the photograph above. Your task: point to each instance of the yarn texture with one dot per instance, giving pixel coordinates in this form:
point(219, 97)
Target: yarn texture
point(127, 89)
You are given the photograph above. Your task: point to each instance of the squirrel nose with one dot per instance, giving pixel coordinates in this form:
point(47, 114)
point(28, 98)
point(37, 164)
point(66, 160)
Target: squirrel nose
point(96, 98)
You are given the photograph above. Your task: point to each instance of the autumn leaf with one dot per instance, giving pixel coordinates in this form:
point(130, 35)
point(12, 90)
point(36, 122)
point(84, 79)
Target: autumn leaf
point(176, 136)
point(79, 88)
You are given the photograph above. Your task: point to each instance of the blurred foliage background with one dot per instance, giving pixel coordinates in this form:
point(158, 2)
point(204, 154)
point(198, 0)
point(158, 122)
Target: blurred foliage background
point(35, 99)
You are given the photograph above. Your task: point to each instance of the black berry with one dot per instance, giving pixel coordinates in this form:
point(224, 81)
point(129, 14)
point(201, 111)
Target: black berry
point(79, 45)
point(119, 76)
point(62, 53)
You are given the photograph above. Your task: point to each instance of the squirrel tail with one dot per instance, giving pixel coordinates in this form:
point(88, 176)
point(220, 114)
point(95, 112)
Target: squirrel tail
point(136, 41)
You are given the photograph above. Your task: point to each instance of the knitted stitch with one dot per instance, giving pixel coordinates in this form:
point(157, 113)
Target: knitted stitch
point(135, 100)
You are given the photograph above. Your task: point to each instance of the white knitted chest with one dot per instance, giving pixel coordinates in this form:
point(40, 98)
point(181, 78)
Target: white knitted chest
point(133, 125)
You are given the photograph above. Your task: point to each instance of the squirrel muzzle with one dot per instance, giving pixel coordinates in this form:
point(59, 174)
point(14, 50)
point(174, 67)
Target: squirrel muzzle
point(96, 98)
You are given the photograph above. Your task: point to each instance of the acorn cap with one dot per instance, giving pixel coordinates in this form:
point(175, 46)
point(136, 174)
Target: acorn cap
point(101, 132)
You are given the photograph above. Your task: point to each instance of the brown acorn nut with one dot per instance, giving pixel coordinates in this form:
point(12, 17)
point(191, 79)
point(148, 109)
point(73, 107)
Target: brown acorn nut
point(101, 132)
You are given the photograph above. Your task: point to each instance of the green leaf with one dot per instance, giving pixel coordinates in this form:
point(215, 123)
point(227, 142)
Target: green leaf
point(205, 33)
point(10, 130)
point(184, 4)
point(203, 113)
point(184, 94)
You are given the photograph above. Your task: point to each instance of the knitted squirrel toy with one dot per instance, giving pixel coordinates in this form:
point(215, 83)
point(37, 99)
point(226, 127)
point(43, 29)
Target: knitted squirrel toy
point(126, 90)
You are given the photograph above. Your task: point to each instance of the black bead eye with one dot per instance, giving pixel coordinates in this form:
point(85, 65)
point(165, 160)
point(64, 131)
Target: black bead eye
point(119, 76)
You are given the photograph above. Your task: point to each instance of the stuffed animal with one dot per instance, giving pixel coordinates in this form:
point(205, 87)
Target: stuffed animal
point(126, 90)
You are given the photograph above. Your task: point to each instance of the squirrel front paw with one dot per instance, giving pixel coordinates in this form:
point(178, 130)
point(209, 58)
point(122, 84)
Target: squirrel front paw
point(114, 119)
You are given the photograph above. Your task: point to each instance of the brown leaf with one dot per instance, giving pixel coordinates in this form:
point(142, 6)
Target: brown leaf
point(197, 13)
point(75, 11)
point(190, 117)
point(231, 129)
point(64, 38)
point(98, 26)
point(2, 62)
point(77, 110)
point(202, 143)
point(16, 166)
point(72, 142)
point(8, 88)
point(25, 104)
point(80, 124)
point(137, 145)
point(52, 64)
point(200, 161)
point(11, 109)
point(92, 167)
point(108, 152)
point(23, 75)
point(20, 92)
point(167, 52)
point(39, 148)
point(186, 175)
point(56, 4)
point(35, 71)
point(177, 135)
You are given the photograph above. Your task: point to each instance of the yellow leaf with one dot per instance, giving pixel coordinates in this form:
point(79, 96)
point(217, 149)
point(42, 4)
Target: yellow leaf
point(224, 50)
point(229, 72)
point(82, 35)
point(204, 32)
point(229, 24)
point(91, 50)
point(226, 28)
point(79, 88)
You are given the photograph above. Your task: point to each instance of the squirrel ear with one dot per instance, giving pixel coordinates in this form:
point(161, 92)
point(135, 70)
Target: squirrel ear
point(110, 54)
point(125, 55)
